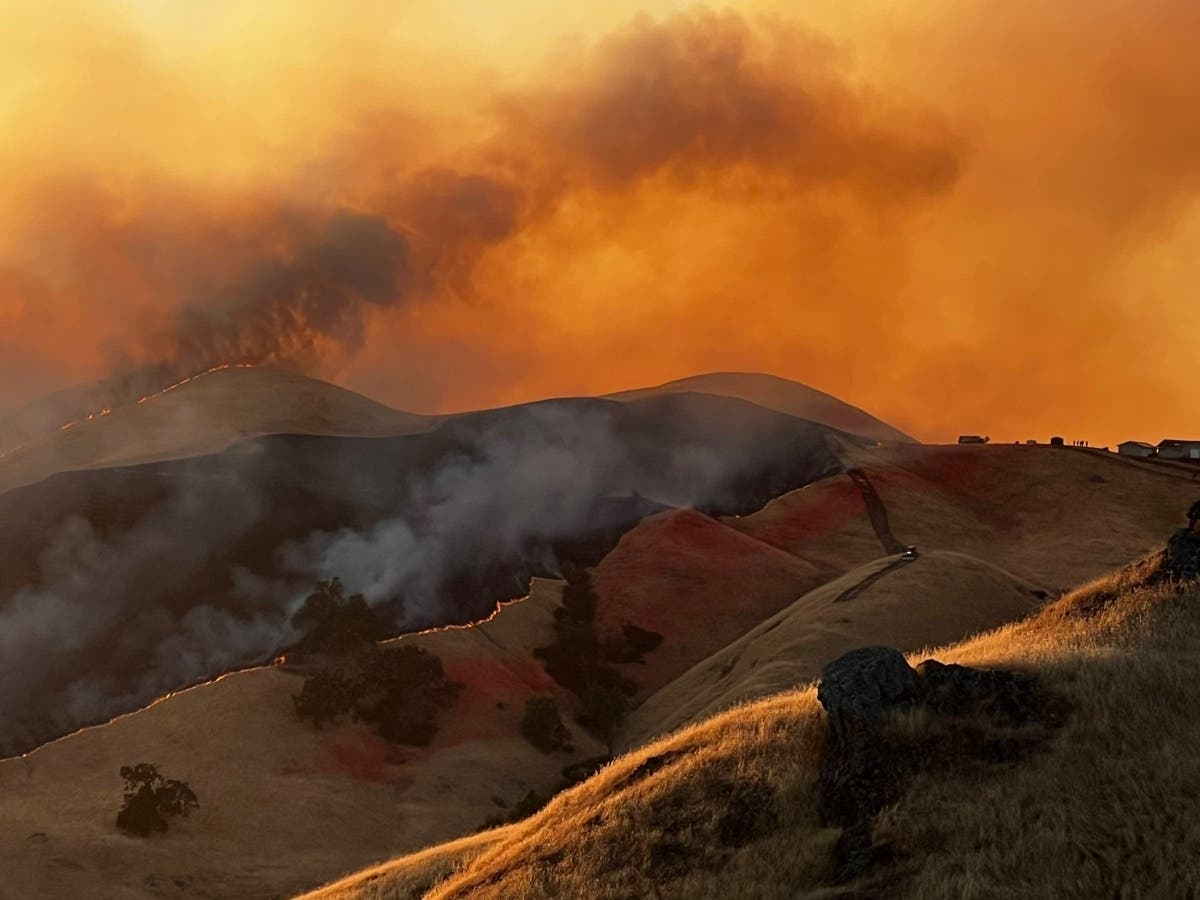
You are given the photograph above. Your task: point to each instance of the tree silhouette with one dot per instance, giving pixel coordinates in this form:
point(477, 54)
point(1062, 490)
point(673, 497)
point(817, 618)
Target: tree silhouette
point(151, 799)
point(334, 623)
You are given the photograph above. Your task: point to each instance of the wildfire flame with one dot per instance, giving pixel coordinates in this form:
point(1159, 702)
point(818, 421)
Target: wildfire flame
point(108, 410)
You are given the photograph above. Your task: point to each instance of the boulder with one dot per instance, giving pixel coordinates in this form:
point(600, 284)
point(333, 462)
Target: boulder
point(956, 690)
point(864, 765)
point(858, 687)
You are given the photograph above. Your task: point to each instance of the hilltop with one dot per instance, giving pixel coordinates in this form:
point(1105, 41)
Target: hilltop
point(782, 395)
point(203, 414)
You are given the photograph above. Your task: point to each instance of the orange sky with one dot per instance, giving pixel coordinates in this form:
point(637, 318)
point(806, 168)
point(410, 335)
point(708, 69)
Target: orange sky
point(962, 216)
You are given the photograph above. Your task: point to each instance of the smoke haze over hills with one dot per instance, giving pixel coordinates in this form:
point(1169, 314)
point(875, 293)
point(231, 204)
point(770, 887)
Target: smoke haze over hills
point(870, 204)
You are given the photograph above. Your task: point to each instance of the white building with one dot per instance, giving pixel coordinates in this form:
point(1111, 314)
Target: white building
point(1135, 448)
point(1171, 449)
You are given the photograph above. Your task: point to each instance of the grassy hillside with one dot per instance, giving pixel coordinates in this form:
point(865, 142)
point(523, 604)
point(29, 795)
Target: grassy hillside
point(1106, 806)
point(936, 598)
point(782, 395)
point(283, 806)
point(745, 606)
point(1039, 517)
point(202, 415)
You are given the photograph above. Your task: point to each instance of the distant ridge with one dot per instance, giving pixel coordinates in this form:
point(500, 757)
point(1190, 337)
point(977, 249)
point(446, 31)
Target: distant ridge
point(203, 414)
point(781, 395)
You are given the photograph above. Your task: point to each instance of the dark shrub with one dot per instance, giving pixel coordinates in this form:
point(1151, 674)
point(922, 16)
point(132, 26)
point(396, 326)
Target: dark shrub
point(632, 645)
point(336, 624)
point(151, 799)
point(326, 694)
point(579, 661)
point(603, 709)
point(399, 691)
point(543, 727)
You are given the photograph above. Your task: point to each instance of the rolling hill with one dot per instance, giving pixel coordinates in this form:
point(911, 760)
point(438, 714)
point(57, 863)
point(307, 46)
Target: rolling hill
point(118, 584)
point(1102, 804)
point(204, 414)
point(937, 598)
point(282, 804)
point(673, 570)
point(781, 395)
point(749, 544)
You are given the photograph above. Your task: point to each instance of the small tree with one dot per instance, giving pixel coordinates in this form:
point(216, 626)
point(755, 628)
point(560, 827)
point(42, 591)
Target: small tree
point(151, 799)
point(326, 694)
point(397, 690)
point(334, 623)
point(543, 727)
point(400, 691)
point(602, 710)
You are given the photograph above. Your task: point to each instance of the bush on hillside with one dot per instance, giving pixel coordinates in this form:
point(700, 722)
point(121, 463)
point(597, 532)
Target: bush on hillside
point(150, 800)
point(326, 695)
point(572, 775)
point(334, 623)
point(399, 691)
point(632, 645)
point(543, 727)
point(580, 661)
point(602, 710)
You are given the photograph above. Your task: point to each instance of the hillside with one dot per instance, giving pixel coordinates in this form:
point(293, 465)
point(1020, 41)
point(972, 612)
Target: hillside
point(782, 395)
point(1012, 522)
point(1103, 804)
point(204, 414)
point(434, 527)
point(283, 806)
point(753, 597)
point(934, 599)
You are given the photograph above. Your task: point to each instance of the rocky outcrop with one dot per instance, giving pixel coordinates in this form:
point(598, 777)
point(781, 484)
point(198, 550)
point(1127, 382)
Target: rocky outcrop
point(866, 762)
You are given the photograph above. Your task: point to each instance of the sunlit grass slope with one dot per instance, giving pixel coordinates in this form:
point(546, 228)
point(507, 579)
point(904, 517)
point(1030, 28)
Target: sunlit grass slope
point(1106, 806)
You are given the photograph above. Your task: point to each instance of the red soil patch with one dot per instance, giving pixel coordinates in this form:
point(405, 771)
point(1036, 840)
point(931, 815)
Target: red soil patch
point(804, 515)
point(698, 583)
point(357, 751)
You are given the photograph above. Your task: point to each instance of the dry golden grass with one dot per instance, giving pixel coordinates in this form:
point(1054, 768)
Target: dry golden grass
point(1106, 807)
point(205, 415)
point(283, 806)
point(781, 395)
point(938, 598)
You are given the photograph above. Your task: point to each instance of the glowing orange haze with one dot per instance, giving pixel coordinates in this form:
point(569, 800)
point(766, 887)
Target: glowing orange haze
point(963, 216)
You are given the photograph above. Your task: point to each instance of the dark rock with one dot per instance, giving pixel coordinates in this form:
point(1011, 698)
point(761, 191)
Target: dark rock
point(865, 765)
point(961, 690)
point(858, 776)
point(858, 687)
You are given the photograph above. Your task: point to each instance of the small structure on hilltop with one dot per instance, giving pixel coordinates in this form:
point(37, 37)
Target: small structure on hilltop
point(1135, 448)
point(1057, 441)
point(973, 439)
point(1174, 449)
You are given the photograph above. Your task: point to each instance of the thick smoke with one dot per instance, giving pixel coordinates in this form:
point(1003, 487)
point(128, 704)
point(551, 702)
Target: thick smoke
point(288, 307)
point(375, 239)
point(188, 569)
